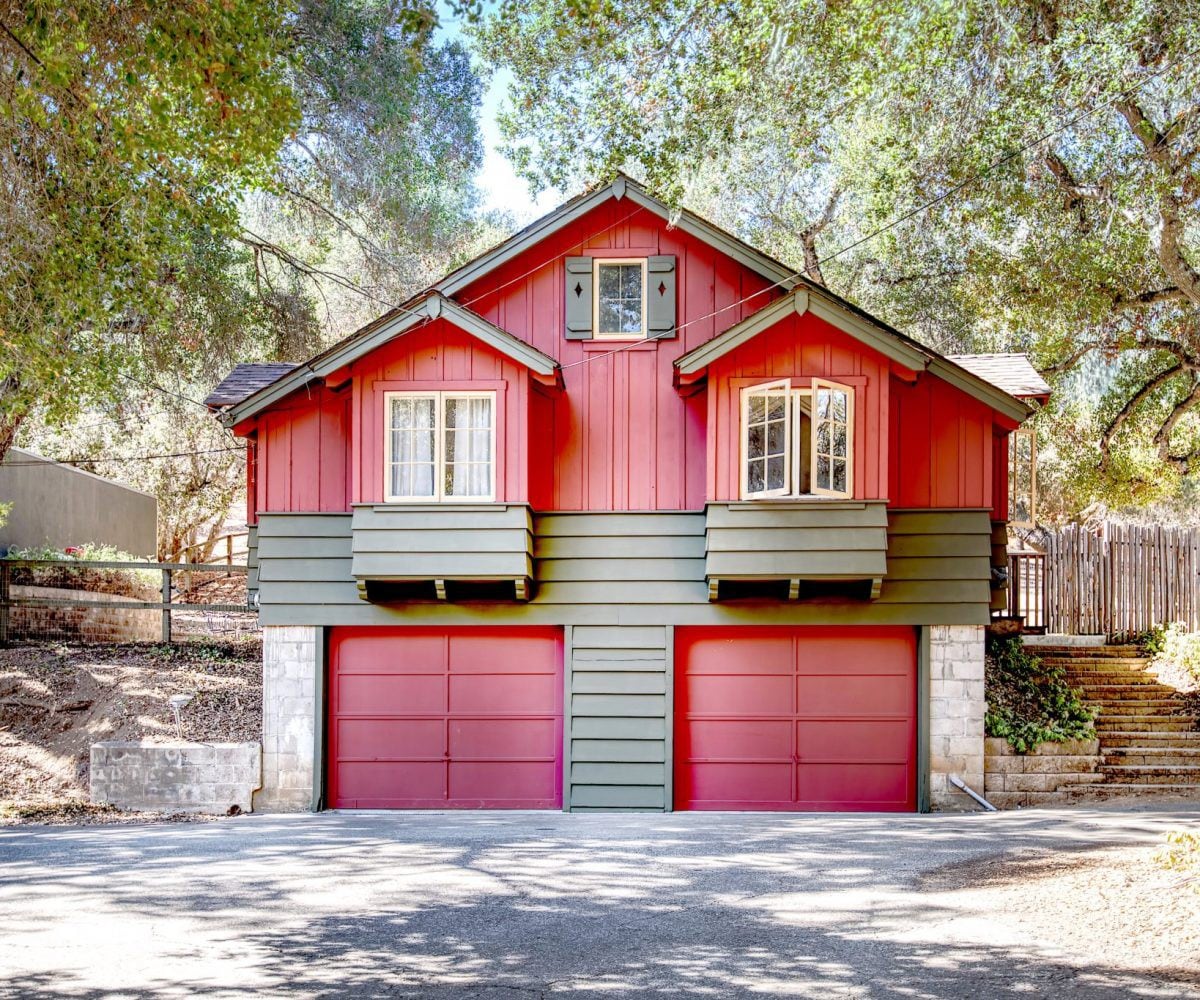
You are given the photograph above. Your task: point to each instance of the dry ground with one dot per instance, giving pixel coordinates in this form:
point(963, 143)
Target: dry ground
point(56, 699)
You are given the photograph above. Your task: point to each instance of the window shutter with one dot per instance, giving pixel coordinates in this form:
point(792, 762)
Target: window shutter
point(579, 298)
point(660, 297)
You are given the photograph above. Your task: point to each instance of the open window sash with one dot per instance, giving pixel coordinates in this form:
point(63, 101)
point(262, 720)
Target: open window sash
point(832, 453)
point(767, 440)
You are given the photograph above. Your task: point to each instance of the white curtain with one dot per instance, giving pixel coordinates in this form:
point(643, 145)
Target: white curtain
point(468, 454)
point(413, 426)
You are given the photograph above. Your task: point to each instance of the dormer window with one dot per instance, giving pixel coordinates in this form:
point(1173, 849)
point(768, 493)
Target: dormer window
point(439, 446)
point(620, 300)
point(796, 440)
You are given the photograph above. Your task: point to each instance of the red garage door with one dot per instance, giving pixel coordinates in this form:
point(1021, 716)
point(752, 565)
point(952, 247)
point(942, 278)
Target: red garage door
point(795, 719)
point(466, 718)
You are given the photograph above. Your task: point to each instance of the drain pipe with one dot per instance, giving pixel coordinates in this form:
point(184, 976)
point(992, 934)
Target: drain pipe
point(957, 782)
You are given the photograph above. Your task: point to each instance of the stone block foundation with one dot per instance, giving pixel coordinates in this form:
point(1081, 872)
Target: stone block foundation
point(291, 662)
point(956, 709)
point(175, 777)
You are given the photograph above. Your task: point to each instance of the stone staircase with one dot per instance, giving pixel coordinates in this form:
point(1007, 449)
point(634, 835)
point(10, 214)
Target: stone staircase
point(1149, 744)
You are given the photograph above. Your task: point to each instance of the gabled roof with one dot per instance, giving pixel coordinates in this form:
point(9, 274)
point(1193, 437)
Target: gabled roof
point(386, 328)
point(863, 328)
point(245, 380)
point(1014, 373)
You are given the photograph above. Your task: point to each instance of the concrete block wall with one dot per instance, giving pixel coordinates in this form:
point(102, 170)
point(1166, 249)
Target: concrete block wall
point(175, 777)
point(291, 663)
point(956, 709)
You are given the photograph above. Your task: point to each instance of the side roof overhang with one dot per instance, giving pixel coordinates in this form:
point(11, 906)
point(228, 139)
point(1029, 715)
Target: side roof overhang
point(892, 344)
point(333, 362)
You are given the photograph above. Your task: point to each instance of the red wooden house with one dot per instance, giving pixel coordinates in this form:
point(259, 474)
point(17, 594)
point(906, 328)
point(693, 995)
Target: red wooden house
point(624, 514)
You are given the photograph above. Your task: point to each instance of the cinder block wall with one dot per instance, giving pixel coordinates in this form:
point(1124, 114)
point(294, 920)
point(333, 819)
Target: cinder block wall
point(956, 709)
point(180, 777)
point(291, 662)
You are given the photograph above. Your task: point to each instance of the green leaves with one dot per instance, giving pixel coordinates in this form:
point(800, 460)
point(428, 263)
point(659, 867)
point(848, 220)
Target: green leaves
point(1029, 703)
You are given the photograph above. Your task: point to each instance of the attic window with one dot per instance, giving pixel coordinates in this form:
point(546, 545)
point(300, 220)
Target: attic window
point(619, 300)
point(796, 441)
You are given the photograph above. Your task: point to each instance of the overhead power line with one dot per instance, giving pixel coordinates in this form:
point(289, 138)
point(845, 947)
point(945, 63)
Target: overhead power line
point(86, 460)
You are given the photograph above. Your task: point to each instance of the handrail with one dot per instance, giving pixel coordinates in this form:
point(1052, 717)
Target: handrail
point(101, 564)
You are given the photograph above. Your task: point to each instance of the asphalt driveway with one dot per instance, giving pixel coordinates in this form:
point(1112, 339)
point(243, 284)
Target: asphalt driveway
point(490, 905)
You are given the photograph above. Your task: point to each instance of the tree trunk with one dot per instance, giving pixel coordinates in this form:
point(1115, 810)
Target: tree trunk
point(12, 413)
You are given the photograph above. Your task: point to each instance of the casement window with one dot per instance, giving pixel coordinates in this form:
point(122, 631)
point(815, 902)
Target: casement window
point(1022, 478)
point(620, 298)
point(439, 446)
point(797, 440)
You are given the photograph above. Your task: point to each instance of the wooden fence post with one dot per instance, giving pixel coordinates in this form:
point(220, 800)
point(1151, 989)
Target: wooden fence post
point(229, 552)
point(4, 597)
point(166, 611)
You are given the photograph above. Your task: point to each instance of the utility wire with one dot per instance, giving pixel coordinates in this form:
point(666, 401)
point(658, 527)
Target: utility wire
point(85, 460)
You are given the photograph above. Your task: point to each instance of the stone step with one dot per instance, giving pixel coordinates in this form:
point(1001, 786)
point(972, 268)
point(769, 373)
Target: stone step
point(1083, 794)
point(1116, 740)
point(1152, 774)
point(1124, 724)
point(1151, 756)
point(1119, 649)
point(1139, 706)
point(1119, 683)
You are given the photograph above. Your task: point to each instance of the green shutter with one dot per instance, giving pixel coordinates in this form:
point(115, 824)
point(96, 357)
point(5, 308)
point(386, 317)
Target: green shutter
point(660, 297)
point(579, 298)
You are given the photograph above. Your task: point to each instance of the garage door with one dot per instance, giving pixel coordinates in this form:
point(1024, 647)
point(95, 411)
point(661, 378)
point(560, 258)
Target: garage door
point(795, 719)
point(449, 719)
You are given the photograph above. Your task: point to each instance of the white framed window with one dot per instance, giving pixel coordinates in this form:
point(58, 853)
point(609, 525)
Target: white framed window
point(619, 299)
point(796, 440)
point(439, 446)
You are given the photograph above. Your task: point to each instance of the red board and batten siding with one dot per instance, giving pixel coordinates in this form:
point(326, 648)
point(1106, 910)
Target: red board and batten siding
point(941, 445)
point(620, 437)
point(302, 453)
point(795, 719)
point(458, 718)
point(440, 357)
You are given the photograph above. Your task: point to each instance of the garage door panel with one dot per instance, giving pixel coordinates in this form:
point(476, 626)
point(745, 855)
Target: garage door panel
point(512, 694)
point(516, 653)
point(768, 654)
point(390, 738)
point(866, 741)
point(450, 718)
point(375, 654)
point(746, 694)
point(864, 784)
point(521, 785)
point(818, 695)
point(390, 694)
point(835, 730)
point(739, 783)
point(738, 739)
point(500, 739)
point(358, 781)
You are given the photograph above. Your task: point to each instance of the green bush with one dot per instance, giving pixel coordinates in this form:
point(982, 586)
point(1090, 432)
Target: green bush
point(136, 583)
point(1029, 703)
point(1173, 646)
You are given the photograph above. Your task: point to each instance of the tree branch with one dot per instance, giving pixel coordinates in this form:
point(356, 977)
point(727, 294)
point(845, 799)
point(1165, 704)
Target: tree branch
point(1134, 401)
point(1163, 437)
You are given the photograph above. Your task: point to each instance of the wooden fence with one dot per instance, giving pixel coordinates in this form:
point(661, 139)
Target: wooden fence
point(1118, 580)
point(11, 603)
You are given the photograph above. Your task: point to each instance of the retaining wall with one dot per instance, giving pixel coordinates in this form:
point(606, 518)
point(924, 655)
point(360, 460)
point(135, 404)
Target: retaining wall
point(176, 777)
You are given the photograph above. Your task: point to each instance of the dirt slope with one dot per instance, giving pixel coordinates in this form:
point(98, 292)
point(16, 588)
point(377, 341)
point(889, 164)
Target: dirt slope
point(58, 699)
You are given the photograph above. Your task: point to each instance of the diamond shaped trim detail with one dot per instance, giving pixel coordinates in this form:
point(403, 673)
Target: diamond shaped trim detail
point(578, 289)
point(662, 288)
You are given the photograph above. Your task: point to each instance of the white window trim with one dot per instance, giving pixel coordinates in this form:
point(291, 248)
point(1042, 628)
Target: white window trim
point(821, 383)
point(1014, 438)
point(439, 437)
point(791, 456)
point(598, 263)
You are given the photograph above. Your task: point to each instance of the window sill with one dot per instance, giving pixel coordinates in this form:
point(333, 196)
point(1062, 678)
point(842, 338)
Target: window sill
point(630, 344)
point(845, 503)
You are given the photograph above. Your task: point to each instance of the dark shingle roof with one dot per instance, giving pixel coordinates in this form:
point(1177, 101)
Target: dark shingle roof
point(1014, 373)
point(245, 380)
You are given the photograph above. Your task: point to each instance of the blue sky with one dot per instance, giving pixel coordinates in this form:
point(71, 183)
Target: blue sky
point(500, 186)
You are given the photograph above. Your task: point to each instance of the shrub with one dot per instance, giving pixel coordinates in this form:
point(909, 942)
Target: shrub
point(1182, 854)
point(1174, 649)
point(141, 584)
point(1029, 703)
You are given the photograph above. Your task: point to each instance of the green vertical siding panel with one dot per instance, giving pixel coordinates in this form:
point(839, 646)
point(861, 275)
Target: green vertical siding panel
point(619, 717)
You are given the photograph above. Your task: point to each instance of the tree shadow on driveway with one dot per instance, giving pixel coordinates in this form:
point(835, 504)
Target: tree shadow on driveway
point(441, 906)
